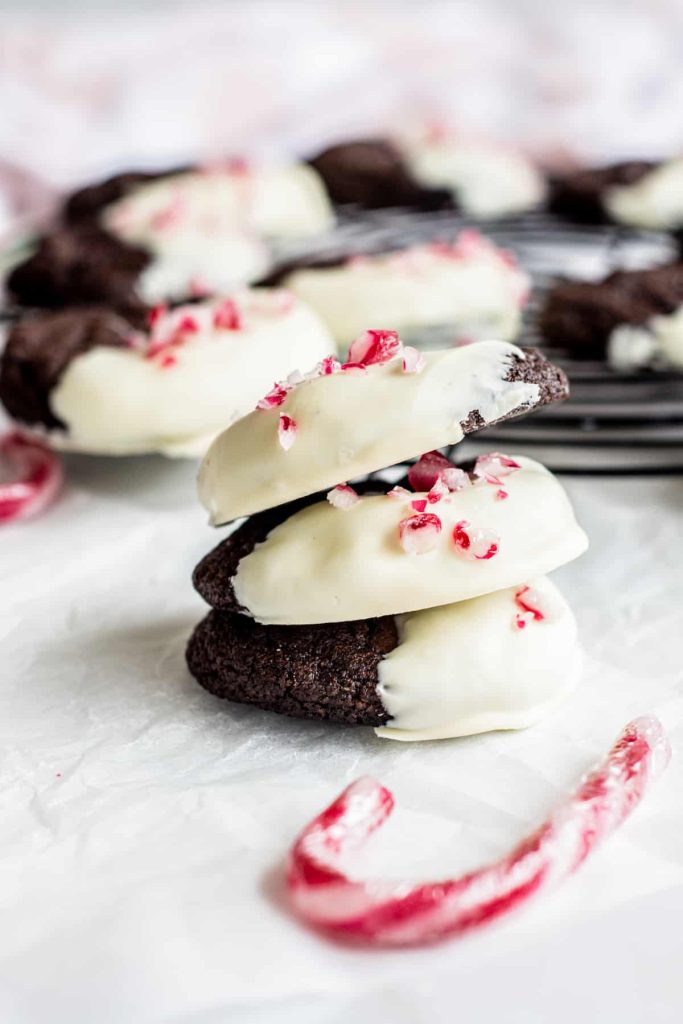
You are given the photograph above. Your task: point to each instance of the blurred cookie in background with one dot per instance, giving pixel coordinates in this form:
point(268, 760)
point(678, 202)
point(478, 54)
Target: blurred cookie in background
point(95, 382)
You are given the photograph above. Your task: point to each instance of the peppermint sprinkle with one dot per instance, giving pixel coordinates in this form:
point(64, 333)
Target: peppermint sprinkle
point(286, 431)
point(227, 316)
point(475, 542)
point(374, 348)
point(420, 533)
point(413, 361)
point(343, 497)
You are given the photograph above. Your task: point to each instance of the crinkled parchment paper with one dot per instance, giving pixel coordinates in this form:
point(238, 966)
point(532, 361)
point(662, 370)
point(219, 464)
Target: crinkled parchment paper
point(144, 822)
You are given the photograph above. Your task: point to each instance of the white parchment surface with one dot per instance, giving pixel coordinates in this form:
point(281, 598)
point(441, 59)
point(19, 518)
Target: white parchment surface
point(144, 822)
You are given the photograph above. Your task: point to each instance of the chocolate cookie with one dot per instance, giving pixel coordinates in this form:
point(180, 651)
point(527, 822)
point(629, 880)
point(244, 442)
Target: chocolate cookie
point(372, 174)
point(579, 316)
point(39, 348)
point(80, 265)
point(579, 196)
point(323, 671)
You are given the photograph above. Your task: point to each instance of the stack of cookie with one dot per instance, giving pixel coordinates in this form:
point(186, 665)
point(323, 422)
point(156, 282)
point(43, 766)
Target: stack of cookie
point(421, 608)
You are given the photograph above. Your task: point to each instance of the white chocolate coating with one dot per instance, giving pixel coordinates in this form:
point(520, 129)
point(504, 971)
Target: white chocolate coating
point(464, 668)
point(325, 564)
point(655, 201)
point(356, 422)
point(202, 227)
point(122, 401)
point(186, 263)
point(659, 343)
point(480, 292)
point(287, 201)
point(487, 181)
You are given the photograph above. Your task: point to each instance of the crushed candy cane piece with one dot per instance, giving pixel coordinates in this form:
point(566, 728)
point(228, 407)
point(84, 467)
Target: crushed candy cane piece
point(343, 497)
point(437, 491)
point(433, 466)
point(381, 912)
point(328, 366)
point(37, 477)
point(419, 533)
point(541, 607)
point(413, 361)
point(275, 397)
point(155, 314)
point(501, 494)
point(420, 504)
point(494, 466)
point(399, 492)
point(373, 347)
point(187, 325)
point(475, 542)
point(357, 367)
point(227, 316)
point(286, 431)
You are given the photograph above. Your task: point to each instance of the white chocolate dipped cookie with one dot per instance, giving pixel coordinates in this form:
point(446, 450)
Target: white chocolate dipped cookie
point(486, 180)
point(140, 238)
point(653, 201)
point(170, 389)
point(470, 286)
point(386, 405)
point(202, 228)
point(405, 551)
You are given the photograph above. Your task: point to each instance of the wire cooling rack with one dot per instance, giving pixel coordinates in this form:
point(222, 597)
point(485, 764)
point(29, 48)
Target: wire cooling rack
point(614, 422)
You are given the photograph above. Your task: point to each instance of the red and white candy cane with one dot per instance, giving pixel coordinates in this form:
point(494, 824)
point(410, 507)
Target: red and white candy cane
point(37, 477)
point(397, 913)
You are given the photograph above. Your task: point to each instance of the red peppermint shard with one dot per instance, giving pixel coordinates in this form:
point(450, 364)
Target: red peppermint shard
point(475, 542)
point(343, 497)
point(373, 348)
point(36, 477)
point(227, 317)
point(286, 431)
point(419, 534)
point(494, 466)
point(537, 607)
point(155, 314)
point(275, 397)
point(327, 366)
point(187, 325)
point(382, 912)
point(432, 467)
point(438, 491)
